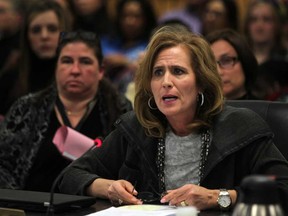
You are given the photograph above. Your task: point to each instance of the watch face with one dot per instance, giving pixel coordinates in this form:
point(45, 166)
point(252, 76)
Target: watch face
point(224, 201)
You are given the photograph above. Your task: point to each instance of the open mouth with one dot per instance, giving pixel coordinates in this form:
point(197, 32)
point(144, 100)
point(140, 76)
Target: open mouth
point(169, 98)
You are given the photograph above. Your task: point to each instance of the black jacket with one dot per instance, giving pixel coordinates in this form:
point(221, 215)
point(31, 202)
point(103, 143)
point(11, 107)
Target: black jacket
point(241, 145)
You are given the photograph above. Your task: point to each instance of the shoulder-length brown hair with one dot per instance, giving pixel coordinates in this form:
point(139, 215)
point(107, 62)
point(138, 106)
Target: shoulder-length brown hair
point(203, 64)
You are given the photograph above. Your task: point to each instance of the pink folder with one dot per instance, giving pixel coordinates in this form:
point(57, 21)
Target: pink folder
point(72, 144)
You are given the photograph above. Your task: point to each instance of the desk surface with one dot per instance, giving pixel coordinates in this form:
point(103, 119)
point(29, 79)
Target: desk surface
point(104, 204)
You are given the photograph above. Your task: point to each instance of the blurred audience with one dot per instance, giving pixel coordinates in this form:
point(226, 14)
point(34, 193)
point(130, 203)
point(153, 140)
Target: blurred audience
point(81, 99)
point(35, 68)
point(189, 15)
point(11, 15)
point(90, 15)
point(236, 63)
point(68, 12)
point(219, 14)
point(135, 20)
point(263, 29)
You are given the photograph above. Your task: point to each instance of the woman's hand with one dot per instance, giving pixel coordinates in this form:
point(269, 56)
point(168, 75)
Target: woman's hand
point(122, 192)
point(192, 195)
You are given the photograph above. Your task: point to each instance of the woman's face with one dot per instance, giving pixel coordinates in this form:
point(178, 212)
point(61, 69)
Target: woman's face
point(174, 85)
point(232, 75)
point(262, 24)
point(132, 20)
point(43, 34)
point(215, 16)
point(78, 72)
point(87, 7)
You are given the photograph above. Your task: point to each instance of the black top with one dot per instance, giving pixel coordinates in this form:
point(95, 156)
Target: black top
point(49, 162)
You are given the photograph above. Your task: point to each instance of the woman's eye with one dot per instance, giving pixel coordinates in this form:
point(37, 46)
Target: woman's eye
point(35, 29)
point(66, 60)
point(86, 61)
point(52, 28)
point(157, 72)
point(178, 71)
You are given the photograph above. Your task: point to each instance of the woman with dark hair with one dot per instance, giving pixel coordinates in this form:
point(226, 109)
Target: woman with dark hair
point(42, 25)
point(236, 63)
point(43, 22)
point(263, 29)
point(219, 14)
point(80, 99)
point(135, 20)
point(90, 15)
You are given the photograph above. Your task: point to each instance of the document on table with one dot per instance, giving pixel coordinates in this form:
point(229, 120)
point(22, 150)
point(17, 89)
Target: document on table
point(139, 210)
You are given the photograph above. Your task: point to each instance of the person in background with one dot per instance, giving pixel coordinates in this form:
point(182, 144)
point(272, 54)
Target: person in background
point(263, 29)
point(236, 63)
point(66, 5)
point(10, 25)
point(11, 14)
point(219, 14)
point(80, 99)
point(135, 21)
point(90, 15)
point(190, 15)
point(181, 145)
point(35, 68)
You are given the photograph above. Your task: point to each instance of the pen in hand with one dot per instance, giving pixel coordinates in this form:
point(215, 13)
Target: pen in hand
point(135, 193)
point(134, 188)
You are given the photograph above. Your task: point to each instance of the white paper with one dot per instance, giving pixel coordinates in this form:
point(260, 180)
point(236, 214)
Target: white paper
point(139, 210)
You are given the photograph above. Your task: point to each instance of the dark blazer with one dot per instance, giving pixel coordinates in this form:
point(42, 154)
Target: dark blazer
point(241, 145)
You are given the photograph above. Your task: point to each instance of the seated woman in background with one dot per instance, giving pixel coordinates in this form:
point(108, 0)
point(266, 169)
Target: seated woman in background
point(135, 21)
point(90, 15)
point(81, 99)
point(263, 29)
point(35, 67)
point(236, 63)
point(182, 145)
point(219, 14)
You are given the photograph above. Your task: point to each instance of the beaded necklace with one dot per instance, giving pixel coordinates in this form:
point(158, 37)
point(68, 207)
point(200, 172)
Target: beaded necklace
point(205, 144)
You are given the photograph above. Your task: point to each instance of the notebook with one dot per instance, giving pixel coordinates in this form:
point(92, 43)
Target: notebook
point(39, 201)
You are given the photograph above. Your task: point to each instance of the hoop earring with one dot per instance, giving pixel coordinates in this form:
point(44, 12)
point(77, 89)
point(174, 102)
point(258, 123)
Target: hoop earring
point(149, 104)
point(200, 94)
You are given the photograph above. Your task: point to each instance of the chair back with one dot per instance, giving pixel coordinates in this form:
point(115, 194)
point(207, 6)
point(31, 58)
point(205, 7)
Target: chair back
point(275, 114)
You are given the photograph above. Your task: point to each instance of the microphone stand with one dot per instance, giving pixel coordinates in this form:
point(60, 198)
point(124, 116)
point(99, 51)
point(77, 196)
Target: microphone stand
point(50, 209)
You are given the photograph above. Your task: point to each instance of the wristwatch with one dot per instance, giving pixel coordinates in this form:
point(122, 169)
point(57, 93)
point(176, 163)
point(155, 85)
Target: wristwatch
point(224, 200)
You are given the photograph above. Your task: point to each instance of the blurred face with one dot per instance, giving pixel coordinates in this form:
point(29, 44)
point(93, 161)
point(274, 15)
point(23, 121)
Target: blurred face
point(78, 72)
point(132, 20)
point(231, 72)
point(262, 24)
point(43, 34)
point(87, 7)
point(174, 85)
point(214, 17)
point(9, 18)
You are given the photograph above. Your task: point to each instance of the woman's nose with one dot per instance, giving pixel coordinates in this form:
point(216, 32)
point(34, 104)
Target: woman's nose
point(44, 33)
point(75, 67)
point(167, 82)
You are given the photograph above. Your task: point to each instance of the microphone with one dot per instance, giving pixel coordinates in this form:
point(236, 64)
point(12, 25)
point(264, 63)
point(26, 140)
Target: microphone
point(50, 210)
